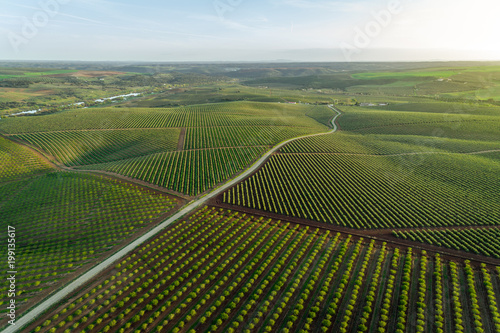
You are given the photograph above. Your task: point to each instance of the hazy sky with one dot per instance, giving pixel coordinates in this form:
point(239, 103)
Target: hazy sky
point(249, 30)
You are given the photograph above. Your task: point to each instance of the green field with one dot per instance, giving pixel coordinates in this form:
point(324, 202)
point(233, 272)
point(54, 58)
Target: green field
point(375, 191)
point(479, 241)
point(404, 75)
point(246, 273)
point(140, 142)
point(18, 161)
point(386, 169)
point(412, 168)
point(189, 172)
point(94, 146)
point(387, 144)
point(224, 114)
point(66, 221)
point(31, 74)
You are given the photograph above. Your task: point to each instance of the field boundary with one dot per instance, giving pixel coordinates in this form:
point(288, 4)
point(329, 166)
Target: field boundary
point(142, 128)
point(401, 154)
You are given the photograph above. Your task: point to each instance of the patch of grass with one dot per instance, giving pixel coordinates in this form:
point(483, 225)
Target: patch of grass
point(17, 161)
point(405, 75)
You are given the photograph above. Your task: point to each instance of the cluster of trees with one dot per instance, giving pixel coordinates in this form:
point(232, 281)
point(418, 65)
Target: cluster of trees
point(405, 289)
point(222, 301)
point(285, 269)
point(422, 291)
point(122, 276)
point(185, 282)
point(302, 274)
point(339, 292)
point(324, 290)
point(311, 282)
point(226, 271)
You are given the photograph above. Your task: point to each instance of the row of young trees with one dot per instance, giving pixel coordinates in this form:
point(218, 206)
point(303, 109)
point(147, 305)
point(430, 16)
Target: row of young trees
point(492, 301)
point(372, 292)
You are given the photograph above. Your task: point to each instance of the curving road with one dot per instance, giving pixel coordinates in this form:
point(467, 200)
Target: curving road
point(190, 207)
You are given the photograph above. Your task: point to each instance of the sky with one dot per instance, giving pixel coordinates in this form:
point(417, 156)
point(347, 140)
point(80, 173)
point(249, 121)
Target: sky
point(249, 30)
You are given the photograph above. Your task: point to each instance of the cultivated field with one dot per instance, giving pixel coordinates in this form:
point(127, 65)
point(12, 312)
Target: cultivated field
point(388, 224)
point(65, 222)
point(426, 169)
point(223, 271)
point(187, 150)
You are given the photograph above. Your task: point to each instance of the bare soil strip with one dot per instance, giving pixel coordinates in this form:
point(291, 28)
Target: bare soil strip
point(182, 137)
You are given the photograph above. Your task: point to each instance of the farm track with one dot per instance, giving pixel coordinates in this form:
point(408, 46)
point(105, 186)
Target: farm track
point(85, 278)
point(402, 154)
